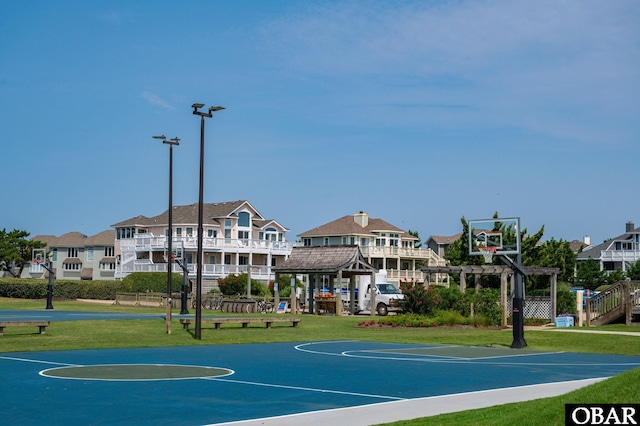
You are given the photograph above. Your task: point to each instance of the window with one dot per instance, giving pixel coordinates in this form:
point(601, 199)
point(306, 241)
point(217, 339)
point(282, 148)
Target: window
point(178, 232)
point(244, 219)
point(90, 254)
point(107, 266)
point(381, 242)
point(243, 260)
point(393, 240)
point(71, 266)
point(306, 242)
point(124, 233)
point(109, 251)
point(271, 234)
point(72, 252)
point(227, 259)
point(326, 241)
point(364, 242)
point(212, 233)
point(227, 228)
point(189, 232)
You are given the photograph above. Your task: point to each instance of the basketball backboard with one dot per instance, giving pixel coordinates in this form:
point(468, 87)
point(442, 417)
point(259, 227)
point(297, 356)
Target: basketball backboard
point(503, 234)
point(39, 255)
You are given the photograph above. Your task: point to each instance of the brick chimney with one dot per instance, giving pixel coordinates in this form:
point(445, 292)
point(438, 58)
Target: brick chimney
point(361, 219)
point(630, 227)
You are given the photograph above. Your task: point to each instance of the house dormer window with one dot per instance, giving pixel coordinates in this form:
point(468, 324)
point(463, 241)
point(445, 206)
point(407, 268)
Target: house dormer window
point(244, 219)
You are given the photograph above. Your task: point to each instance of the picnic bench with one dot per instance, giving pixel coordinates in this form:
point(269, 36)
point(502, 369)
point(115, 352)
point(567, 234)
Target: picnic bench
point(217, 322)
point(42, 325)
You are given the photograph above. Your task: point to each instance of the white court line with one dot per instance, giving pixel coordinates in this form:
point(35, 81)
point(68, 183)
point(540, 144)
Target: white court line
point(244, 382)
point(436, 360)
point(37, 361)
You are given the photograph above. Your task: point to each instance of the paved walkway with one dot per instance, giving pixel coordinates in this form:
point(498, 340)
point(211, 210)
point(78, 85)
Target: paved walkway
point(421, 407)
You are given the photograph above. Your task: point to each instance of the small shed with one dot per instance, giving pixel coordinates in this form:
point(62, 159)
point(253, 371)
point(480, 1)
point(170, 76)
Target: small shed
point(335, 262)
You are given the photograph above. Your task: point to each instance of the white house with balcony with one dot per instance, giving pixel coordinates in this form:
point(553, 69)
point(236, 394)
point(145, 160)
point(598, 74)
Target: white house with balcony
point(384, 246)
point(236, 237)
point(617, 253)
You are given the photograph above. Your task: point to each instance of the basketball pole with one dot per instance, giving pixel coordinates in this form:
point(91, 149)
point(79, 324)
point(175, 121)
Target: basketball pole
point(517, 313)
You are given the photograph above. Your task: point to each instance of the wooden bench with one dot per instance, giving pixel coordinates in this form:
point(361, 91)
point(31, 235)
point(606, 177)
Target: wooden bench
point(217, 322)
point(42, 325)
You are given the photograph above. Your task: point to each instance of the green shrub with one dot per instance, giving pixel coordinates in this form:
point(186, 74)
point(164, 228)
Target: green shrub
point(156, 282)
point(26, 288)
point(450, 298)
point(486, 304)
point(236, 285)
point(450, 318)
point(408, 320)
point(417, 299)
point(480, 320)
point(566, 302)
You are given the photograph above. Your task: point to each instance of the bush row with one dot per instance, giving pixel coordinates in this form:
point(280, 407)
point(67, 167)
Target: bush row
point(21, 288)
point(138, 282)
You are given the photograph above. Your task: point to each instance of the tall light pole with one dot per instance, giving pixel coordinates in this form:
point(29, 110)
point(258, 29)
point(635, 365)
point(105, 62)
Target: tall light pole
point(171, 143)
point(202, 115)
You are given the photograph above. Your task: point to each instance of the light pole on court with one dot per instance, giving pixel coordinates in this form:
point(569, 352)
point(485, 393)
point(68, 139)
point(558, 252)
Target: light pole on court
point(171, 143)
point(203, 115)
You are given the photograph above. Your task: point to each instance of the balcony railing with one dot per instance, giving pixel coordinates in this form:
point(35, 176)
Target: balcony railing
point(143, 242)
point(620, 255)
point(402, 252)
point(209, 271)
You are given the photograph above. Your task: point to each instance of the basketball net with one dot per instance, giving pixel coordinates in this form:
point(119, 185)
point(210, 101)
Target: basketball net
point(487, 253)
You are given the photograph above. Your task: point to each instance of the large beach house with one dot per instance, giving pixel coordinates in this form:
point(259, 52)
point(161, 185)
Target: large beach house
point(236, 236)
point(383, 245)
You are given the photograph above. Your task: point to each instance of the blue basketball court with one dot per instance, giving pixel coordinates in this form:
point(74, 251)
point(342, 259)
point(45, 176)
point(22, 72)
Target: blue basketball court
point(276, 384)
point(280, 383)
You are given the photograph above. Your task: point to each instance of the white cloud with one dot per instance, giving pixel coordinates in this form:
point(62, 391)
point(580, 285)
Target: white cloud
point(156, 100)
point(551, 67)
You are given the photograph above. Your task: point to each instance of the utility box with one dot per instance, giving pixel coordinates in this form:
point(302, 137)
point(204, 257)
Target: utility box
point(564, 322)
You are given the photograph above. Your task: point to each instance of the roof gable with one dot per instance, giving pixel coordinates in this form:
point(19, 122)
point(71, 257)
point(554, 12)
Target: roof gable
point(329, 259)
point(346, 225)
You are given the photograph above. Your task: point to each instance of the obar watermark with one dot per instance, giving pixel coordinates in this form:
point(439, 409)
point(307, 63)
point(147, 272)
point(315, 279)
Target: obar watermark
point(601, 414)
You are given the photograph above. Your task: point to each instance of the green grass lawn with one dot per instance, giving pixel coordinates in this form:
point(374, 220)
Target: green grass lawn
point(69, 335)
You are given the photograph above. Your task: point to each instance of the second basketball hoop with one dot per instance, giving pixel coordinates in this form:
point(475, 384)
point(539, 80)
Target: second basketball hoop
point(487, 253)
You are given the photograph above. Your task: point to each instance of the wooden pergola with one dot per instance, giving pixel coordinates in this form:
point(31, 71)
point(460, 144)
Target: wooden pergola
point(336, 262)
point(506, 274)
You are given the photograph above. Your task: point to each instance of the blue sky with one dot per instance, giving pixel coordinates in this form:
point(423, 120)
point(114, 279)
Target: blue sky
point(417, 112)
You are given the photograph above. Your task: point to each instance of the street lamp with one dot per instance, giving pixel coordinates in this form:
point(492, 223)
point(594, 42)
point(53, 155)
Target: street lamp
point(202, 115)
point(171, 143)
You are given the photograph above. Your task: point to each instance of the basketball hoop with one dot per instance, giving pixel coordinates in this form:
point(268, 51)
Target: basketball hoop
point(487, 253)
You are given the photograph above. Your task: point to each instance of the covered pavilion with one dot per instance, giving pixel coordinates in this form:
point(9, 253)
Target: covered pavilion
point(333, 262)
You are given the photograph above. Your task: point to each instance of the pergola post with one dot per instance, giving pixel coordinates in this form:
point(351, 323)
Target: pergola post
point(554, 297)
point(504, 275)
point(294, 299)
point(338, 293)
point(463, 281)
